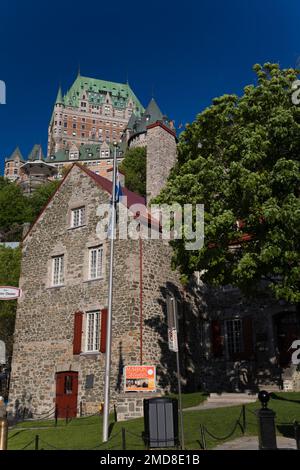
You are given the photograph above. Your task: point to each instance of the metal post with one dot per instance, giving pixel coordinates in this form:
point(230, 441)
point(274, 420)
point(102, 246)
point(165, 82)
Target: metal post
point(80, 409)
point(180, 401)
point(110, 298)
point(175, 313)
point(123, 439)
point(115, 414)
point(67, 415)
point(3, 433)
point(244, 418)
point(36, 442)
point(297, 434)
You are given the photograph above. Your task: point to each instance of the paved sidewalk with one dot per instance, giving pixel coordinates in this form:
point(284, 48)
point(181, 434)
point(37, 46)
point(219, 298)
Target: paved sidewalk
point(251, 443)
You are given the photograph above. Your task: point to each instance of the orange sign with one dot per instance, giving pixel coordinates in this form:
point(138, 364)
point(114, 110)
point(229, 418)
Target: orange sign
point(140, 379)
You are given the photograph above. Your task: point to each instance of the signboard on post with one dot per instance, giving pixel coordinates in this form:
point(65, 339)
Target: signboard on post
point(173, 339)
point(2, 353)
point(9, 293)
point(140, 379)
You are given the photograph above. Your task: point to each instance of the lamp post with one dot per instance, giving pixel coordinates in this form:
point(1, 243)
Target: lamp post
point(110, 300)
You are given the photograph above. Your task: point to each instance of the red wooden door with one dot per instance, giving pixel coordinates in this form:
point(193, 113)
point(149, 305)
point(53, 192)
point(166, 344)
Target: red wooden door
point(66, 394)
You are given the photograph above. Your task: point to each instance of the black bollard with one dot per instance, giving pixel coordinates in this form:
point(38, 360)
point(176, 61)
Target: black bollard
point(297, 434)
point(266, 424)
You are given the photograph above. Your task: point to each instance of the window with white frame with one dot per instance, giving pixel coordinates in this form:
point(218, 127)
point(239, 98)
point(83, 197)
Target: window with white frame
point(234, 333)
point(92, 331)
point(58, 270)
point(78, 217)
point(95, 262)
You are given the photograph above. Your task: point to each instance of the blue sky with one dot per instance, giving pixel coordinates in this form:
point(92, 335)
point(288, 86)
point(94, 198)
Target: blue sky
point(186, 53)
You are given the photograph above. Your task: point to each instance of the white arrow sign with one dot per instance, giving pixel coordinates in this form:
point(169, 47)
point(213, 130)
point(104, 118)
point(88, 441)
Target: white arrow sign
point(9, 293)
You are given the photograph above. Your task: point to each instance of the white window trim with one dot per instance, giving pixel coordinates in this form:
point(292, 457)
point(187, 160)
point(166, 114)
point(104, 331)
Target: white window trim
point(81, 217)
point(229, 354)
point(91, 351)
point(60, 274)
point(96, 248)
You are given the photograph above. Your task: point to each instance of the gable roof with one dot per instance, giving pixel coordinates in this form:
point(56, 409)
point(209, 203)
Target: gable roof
point(106, 185)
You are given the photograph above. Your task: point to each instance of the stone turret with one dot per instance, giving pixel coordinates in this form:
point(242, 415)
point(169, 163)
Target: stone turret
point(156, 132)
point(161, 157)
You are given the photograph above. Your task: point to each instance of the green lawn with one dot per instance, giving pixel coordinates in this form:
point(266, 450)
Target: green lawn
point(85, 433)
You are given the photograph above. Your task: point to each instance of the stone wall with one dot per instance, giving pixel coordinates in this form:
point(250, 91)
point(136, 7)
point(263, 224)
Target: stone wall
point(43, 343)
point(262, 368)
point(161, 157)
point(131, 405)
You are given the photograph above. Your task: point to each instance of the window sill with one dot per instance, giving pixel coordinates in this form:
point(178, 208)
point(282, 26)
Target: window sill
point(56, 287)
point(89, 353)
point(93, 280)
point(75, 228)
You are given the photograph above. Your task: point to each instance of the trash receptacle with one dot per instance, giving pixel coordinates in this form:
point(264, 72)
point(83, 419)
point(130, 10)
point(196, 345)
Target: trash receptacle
point(161, 422)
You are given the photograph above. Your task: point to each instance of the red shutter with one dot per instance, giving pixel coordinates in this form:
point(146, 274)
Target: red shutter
point(77, 332)
point(217, 338)
point(248, 337)
point(103, 330)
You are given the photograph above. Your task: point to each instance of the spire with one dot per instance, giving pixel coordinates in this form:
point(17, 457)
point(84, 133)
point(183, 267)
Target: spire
point(16, 153)
point(59, 98)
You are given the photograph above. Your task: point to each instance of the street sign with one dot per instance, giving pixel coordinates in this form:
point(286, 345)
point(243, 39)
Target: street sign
point(173, 339)
point(9, 293)
point(2, 353)
point(139, 379)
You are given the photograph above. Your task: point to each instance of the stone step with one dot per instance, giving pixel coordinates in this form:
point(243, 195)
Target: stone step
point(231, 398)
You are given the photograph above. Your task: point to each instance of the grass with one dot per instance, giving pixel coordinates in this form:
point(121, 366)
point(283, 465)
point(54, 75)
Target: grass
point(85, 433)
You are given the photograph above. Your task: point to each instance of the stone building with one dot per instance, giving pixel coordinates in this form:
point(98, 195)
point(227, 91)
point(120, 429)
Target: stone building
point(92, 111)
point(59, 346)
point(12, 165)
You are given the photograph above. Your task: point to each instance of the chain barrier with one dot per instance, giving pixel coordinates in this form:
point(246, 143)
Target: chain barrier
point(204, 430)
point(27, 445)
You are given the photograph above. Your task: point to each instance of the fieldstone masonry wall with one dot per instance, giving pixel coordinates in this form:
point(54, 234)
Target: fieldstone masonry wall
point(161, 157)
point(45, 317)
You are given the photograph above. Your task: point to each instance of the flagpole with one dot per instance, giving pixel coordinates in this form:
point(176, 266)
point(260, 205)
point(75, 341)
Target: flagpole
point(110, 300)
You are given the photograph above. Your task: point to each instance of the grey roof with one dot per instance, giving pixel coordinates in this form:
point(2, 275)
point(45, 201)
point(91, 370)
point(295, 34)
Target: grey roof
point(151, 115)
point(36, 153)
point(16, 153)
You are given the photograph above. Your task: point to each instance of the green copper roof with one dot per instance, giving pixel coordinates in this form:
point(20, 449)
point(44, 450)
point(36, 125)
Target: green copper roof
point(96, 91)
point(36, 153)
point(16, 153)
point(86, 152)
point(59, 98)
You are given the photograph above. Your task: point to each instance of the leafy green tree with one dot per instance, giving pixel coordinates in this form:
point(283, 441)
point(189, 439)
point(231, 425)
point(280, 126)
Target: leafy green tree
point(14, 211)
point(134, 167)
point(10, 260)
point(241, 159)
point(39, 198)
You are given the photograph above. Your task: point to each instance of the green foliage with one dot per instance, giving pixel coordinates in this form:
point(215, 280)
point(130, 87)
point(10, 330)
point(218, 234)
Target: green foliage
point(10, 260)
point(241, 159)
point(134, 167)
point(40, 197)
point(14, 211)
point(16, 208)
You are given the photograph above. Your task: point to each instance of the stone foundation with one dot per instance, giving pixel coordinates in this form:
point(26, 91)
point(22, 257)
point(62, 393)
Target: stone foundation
point(130, 405)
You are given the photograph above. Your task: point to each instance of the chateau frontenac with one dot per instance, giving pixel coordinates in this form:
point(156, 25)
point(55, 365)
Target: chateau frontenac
point(85, 123)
